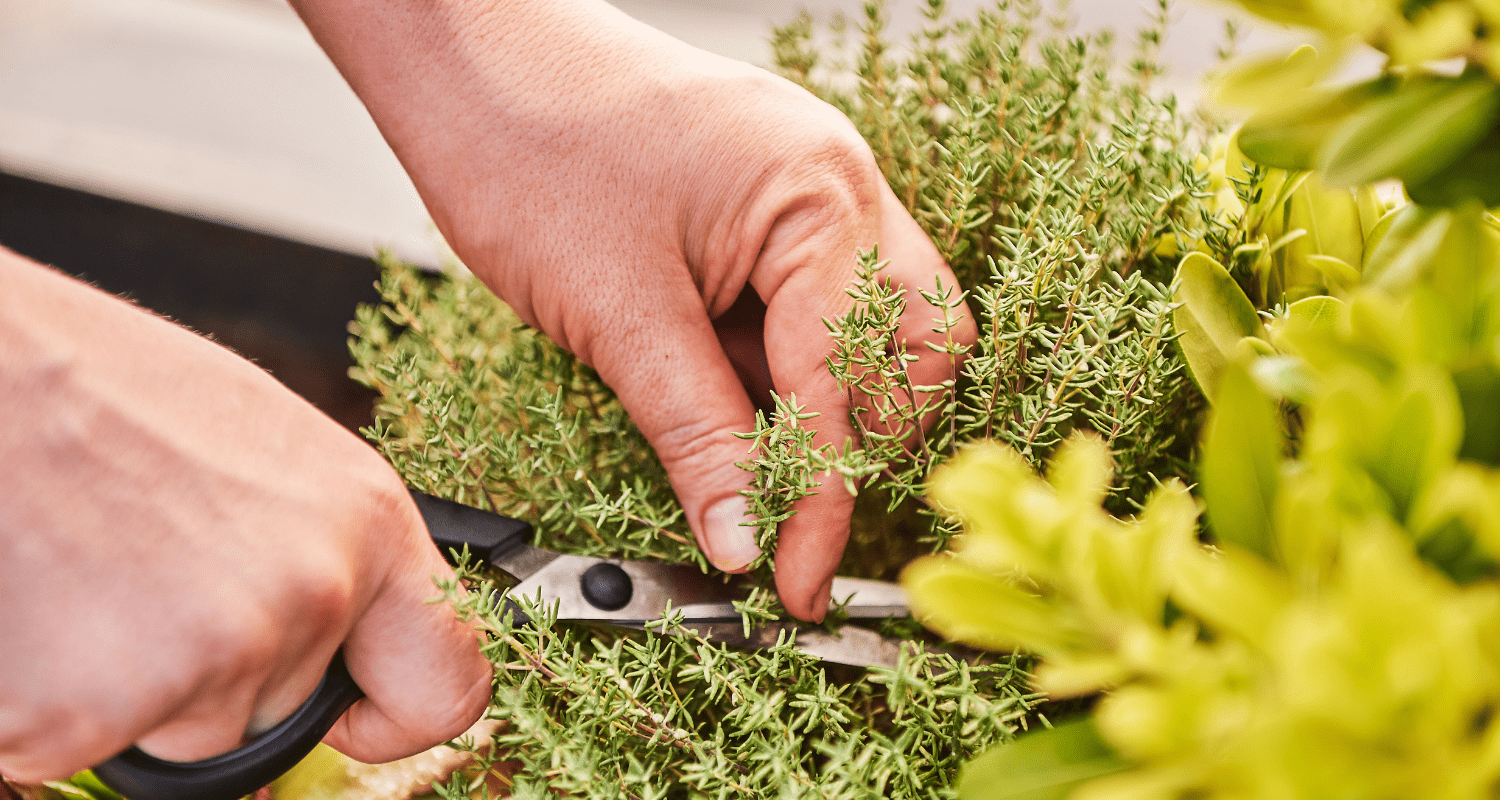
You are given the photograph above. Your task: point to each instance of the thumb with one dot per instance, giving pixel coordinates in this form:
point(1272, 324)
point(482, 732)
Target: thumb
point(671, 373)
point(424, 678)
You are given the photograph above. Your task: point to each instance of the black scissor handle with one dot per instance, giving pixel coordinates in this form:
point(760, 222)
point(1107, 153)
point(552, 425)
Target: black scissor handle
point(140, 776)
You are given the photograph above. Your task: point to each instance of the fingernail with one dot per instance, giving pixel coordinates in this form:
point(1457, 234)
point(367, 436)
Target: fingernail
point(731, 544)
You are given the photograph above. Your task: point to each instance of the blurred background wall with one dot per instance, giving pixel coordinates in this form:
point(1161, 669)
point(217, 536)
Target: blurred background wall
point(204, 157)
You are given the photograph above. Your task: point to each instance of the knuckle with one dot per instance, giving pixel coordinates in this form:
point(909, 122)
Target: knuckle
point(325, 600)
point(244, 647)
point(51, 744)
point(701, 446)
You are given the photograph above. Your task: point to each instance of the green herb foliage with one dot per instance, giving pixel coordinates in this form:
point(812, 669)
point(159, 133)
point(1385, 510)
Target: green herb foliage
point(1060, 192)
point(1059, 189)
point(1337, 637)
point(477, 408)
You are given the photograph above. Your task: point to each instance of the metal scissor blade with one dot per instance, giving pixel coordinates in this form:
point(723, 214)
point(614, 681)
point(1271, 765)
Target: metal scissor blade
point(653, 586)
point(846, 644)
point(867, 599)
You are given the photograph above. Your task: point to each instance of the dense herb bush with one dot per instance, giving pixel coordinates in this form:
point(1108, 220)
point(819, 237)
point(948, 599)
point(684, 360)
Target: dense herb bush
point(1338, 636)
point(1049, 183)
point(1051, 180)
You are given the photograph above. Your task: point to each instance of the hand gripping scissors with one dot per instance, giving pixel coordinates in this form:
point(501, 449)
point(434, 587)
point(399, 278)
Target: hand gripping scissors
point(625, 594)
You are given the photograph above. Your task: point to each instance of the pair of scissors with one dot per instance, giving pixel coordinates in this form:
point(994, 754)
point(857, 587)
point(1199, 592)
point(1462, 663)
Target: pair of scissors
point(625, 594)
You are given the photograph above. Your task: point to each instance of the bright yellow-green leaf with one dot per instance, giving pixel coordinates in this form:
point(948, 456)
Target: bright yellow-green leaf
point(1440, 31)
point(1337, 274)
point(1080, 470)
point(1239, 471)
point(1371, 208)
point(1331, 218)
point(1421, 438)
point(323, 775)
point(983, 609)
point(1317, 314)
point(1271, 78)
point(1290, 133)
point(1283, 377)
point(1378, 231)
point(1234, 592)
point(1412, 133)
point(1040, 765)
point(1213, 315)
point(1407, 246)
point(84, 785)
point(1252, 347)
point(1011, 518)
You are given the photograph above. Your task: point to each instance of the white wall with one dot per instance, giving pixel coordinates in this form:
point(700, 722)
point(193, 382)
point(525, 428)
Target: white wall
point(226, 108)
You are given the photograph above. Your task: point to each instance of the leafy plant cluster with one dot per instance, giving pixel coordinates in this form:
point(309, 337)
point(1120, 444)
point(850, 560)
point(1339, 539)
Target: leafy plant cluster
point(1049, 181)
point(1332, 630)
point(1060, 192)
point(479, 408)
point(1337, 639)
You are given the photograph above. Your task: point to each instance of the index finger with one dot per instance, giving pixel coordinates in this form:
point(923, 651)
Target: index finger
point(810, 543)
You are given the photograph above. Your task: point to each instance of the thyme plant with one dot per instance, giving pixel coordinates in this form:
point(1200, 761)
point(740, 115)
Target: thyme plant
point(1059, 188)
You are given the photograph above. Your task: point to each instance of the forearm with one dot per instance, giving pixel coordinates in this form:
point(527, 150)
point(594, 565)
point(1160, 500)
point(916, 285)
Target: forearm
point(85, 369)
point(485, 101)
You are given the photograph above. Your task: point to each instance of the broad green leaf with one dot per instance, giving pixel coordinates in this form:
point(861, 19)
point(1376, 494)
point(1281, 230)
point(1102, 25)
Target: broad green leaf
point(1461, 278)
point(1371, 209)
point(1413, 133)
point(1376, 234)
point(1479, 395)
point(1422, 436)
point(983, 609)
point(1475, 175)
point(1252, 347)
point(1261, 80)
point(1213, 315)
point(1337, 274)
point(1331, 219)
point(1290, 135)
point(1283, 377)
point(1240, 468)
point(1317, 313)
point(1407, 247)
point(1320, 314)
point(1040, 765)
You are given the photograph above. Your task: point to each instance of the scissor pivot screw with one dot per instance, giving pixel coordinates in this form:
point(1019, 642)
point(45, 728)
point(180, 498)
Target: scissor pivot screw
point(606, 587)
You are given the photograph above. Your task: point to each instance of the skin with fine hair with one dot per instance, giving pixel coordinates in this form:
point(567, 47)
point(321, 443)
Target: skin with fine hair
point(184, 543)
point(622, 191)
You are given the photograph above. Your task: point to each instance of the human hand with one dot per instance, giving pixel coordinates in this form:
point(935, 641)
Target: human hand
point(184, 544)
point(622, 191)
